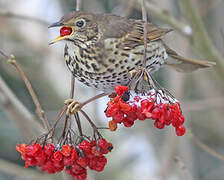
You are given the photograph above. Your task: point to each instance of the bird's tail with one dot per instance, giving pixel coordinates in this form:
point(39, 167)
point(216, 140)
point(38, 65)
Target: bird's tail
point(182, 64)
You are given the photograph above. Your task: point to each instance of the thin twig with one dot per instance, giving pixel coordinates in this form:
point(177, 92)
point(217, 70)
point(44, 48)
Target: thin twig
point(103, 128)
point(164, 16)
point(144, 18)
point(129, 7)
point(20, 172)
point(77, 118)
point(23, 118)
point(78, 4)
point(39, 109)
point(23, 17)
point(3, 54)
point(206, 148)
point(72, 87)
point(78, 123)
point(90, 122)
point(184, 168)
point(215, 103)
point(93, 99)
point(56, 122)
point(200, 39)
point(222, 35)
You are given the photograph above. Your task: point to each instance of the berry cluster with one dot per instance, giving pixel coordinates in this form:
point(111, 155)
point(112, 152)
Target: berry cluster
point(128, 106)
point(74, 159)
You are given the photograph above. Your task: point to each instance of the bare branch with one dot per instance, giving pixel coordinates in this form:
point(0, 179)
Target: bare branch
point(203, 104)
point(144, 18)
point(24, 120)
point(21, 172)
point(39, 109)
point(78, 4)
point(184, 168)
point(206, 148)
point(24, 17)
point(200, 37)
point(166, 17)
point(3, 54)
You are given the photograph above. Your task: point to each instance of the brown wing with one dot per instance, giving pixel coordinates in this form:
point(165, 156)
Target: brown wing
point(137, 32)
point(129, 30)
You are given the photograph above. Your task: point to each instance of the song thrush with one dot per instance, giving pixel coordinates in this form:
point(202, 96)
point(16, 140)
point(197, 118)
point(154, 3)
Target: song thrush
point(101, 49)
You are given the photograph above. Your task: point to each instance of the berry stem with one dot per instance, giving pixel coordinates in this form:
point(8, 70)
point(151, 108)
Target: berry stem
point(144, 18)
point(93, 99)
point(77, 118)
point(91, 123)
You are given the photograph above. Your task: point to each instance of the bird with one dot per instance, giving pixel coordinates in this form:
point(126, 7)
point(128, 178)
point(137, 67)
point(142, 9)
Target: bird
point(102, 49)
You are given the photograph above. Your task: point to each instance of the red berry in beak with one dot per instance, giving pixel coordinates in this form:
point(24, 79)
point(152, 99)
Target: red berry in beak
point(65, 31)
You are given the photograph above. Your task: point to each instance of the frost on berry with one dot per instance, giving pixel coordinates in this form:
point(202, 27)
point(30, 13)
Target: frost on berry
point(75, 159)
point(128, 106)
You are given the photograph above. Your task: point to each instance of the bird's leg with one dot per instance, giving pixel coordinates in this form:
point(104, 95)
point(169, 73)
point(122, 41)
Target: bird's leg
point(74, 106)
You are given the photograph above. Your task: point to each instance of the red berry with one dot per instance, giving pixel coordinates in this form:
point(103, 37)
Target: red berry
point(131, 116)
point(49, 149)
point(112, 125)
point(85, 146)
point(93, 162)
point(159, 124)
point(74, 155)
point(180, 131)
point(65, 31)
point(66, 150)
point(144, 103)
point(33, 149)
point(82, 161)
point(118, 117)
point(41, 158)
point(120, 89)
point(30, 161)
point(77, 169)
point(95, 151)
point(125, 107)
point(156, 113)
point(128, 123)
point(102, 143)
point(21, 148)
point(101, 162)
point(92, 143)
point(67, 161)
point(57, 156)
point(112, 110)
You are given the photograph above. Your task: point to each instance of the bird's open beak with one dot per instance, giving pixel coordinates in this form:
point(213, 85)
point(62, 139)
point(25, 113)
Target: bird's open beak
point(65, 32)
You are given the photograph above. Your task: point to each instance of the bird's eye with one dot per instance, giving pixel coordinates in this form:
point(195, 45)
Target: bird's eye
point(80, 23)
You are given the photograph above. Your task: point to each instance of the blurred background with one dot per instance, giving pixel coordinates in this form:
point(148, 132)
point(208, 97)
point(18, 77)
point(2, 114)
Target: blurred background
point(141, 152)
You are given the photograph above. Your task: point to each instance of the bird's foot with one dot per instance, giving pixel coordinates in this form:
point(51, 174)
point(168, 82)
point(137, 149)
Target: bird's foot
point(72, 106)
point(132, 73)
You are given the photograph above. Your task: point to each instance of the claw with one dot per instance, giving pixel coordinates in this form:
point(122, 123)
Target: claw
point(146, 77)
point(73, 106)
point(68, 101)
point(132, 73)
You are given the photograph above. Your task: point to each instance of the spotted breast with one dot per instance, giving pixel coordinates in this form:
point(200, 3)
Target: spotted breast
point(106, 65)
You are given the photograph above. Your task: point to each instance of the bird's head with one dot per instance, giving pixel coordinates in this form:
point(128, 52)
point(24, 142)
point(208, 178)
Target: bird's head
point(76, 26)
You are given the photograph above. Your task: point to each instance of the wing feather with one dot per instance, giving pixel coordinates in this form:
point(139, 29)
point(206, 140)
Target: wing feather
point(130, 30)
